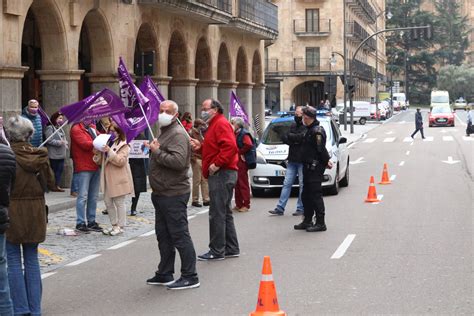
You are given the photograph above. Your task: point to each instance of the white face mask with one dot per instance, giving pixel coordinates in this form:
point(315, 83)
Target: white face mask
point(165, 119)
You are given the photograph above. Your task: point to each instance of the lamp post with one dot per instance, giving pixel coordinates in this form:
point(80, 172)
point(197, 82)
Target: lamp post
point(389, 16)
point(344, 56)
point(333, 63)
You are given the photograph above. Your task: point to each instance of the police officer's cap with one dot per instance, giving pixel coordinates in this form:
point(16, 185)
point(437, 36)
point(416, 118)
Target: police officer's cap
point(309, 111)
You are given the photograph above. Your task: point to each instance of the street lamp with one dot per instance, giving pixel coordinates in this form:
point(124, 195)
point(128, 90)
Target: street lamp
point(333, 63)
point(389, 16)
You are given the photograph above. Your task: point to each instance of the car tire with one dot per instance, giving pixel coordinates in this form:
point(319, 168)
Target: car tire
point(362, 121)
point(258, 192)
point(334, 189)
point(345, 181)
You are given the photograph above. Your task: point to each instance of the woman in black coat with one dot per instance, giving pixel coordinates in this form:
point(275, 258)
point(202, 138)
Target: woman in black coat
point(139, 172)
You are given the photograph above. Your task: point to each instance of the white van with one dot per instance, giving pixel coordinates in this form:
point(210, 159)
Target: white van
point(439, 98)
point(399, 101)
point(361, 111)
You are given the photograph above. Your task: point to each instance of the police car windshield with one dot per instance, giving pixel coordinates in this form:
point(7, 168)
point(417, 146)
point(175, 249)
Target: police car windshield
point(274, 133)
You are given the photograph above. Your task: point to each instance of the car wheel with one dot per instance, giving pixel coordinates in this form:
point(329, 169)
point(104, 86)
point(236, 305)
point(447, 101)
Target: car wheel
point(362, 121)
point(345, 181)
point(258, 192)
point(334, 189)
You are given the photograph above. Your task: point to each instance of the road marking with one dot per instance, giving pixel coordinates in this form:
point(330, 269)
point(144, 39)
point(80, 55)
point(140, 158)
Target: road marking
point(393, 177)
point(191, 217)
point(411, 144)
point(202, 212)
point(460, 121)
point(85, 259)
point(379, 197)
point(401, 163)
point(467, 138)
point(408, 140)
point(355, 162)
point(151, 232)
point(428, 139)
point(448, 138)
point(450, 161)
point(389, 140)
point(389, 133)
point(407, 153)
point(45, 275)
point(401, 122)
point(350, 145)
point(370, 140)
point(122, 244)
point(341, 250)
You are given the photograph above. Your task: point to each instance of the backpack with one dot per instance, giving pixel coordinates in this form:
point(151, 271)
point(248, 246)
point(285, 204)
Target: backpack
point(251, 155)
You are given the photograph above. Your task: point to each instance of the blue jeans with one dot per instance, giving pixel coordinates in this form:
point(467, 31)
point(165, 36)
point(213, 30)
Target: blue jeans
point(292, 170)
point(6, 306)
point(88, 184)
point(57, 165)
point(74, 183)
point(25, 288)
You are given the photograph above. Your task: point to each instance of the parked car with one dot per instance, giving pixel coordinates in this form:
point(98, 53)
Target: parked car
point(399, 101)
point(460, 104)
point(272, 154)
point(383, 112)
point(441, 116)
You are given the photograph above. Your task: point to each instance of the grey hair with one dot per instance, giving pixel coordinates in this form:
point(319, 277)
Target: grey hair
point(239, 121)
point(19, 129)
point(172, 103)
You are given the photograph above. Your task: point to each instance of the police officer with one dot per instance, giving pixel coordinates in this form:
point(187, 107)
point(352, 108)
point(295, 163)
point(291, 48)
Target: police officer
point(315, 161)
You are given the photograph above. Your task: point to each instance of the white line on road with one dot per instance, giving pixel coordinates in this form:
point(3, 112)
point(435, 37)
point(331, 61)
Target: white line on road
point(448, 138)
point(351, 145)
point(408, 153)
point(355, 162)
point(411, 144)
point(401, 122)
point(401, 163)
point(393, 177)
point(151, 232)
point(45, 275)
point(389, 140)
point(460, 121)
point(370, 140)
point(428, 139)
point(191, 217)
point(85, 259)
point(389, 133)
point(408, 140)
point(379, 197)
point(467, 138)
point(341, 250)
point(202, 212)
point(122, 244)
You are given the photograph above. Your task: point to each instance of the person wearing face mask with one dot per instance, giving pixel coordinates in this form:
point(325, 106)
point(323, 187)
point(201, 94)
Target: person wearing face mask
point(294, 167)
point(31, 113)
point(219, 165)
point(57, 146)
point(199, 182)
point(170, 159)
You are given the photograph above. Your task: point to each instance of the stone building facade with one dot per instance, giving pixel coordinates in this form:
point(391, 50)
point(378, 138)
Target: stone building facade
point(304, 65)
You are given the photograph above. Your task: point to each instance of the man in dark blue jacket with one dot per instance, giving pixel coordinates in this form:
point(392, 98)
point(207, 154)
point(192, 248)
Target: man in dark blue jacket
point(418, 124)
point(31, 112)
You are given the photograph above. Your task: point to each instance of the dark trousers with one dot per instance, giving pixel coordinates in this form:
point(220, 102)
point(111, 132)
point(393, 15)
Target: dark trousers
point(416, 131)
point(313, 201)
point(223, 237)
point(171, 228)
point(135, 201)
point(57, 165)
point(242, 189)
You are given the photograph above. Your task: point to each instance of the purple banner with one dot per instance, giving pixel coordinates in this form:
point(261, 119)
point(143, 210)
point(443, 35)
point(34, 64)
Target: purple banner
point(129, 93)
point(236, 109)
point(100, 104)
point(44, 117)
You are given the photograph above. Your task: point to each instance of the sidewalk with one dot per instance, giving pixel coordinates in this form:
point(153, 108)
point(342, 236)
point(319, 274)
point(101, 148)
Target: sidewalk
point(359, 130)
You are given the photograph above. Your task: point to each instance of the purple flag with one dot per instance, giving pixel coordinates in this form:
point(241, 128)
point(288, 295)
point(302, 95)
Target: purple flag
point(133, 122)
point(44, 117)
point(129, 93)
point(100, 104)
point(236, 109)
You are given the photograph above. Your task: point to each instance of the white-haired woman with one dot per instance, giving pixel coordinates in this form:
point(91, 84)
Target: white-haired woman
point(27, 217)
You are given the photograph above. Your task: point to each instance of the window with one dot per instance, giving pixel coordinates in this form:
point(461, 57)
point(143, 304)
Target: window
point(312, 58)
point(312, 20)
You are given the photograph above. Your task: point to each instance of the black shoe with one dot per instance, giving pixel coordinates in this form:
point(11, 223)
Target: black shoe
point(196, 204)
point(133, 213)
point(232, 255)
point(94, 227)
point(276, 212)
point(206, 203)
point(160, 280)
point(184, 283)
point(105, 212)
point(298, 213)
point(302, 226)
point(82, 228)
point(317, 228)
point(208, 256)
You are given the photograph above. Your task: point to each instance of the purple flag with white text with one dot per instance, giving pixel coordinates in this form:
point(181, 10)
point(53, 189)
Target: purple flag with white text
point(236, 108)
point(44, 117)
point(129, 93)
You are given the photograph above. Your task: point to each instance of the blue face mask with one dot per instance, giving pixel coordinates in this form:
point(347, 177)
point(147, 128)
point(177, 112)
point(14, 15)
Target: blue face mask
point(205, 116)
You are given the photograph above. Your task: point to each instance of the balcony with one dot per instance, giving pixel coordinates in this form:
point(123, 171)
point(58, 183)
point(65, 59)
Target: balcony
point(303, 27)
point(207, 11)
point(271, 65)
point(257, 18)
point(357, 33)
point(362, 70)
point(299, 67)
point(363, 9)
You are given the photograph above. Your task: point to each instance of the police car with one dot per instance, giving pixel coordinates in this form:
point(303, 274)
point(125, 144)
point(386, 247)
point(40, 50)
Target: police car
point(272, 154)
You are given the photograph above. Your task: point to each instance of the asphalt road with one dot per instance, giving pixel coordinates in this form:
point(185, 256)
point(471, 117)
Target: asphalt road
point(410, 254)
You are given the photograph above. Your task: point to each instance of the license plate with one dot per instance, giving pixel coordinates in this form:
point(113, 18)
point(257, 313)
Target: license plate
point(280, 173)
point(441, 120)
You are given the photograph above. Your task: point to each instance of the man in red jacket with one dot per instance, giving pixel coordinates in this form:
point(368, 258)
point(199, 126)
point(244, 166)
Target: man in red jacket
point(87, 175)
point(219, 166)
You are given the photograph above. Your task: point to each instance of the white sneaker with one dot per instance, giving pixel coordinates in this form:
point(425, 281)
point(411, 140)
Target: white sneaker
point(116, 231)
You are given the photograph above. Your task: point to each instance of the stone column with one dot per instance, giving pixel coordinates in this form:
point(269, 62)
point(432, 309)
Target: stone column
point(99, 81)
point(223, 93)
point(244, 92)
point(162, 83)
point(10, 90)
point(205, 89)
point(183, 92)
point(258, 106)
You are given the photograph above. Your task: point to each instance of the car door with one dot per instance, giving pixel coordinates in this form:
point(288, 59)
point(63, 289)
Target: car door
point(342, 153)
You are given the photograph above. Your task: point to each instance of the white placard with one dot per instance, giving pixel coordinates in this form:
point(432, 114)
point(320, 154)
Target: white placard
point(138, 149)
point(100, 141)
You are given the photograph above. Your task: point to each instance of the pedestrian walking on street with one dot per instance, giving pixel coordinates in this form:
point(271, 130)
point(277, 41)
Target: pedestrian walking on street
point(115, 178)
point(247, 160)
point(418, 124)
point(219, 166)
point(27, 214)
point(7, 178)
point(199, 182)
point(87, 175)
point(294, 166)
point(170, 159)
point(315, 162)
point(30, 112)
point(138, 166)
point(469, 129)
point(57, 147)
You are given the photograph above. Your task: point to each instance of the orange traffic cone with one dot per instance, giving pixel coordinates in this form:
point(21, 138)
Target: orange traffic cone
point(267, 304)
point(372, 194)
point(385, 177)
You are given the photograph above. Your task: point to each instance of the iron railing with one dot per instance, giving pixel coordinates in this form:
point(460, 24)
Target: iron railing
point(364, 9)
point(312, 27)
point(260, 12)
point(223, 5)
point(311, 65)
point(271, 65)
point(363, 70)
point(355, 30)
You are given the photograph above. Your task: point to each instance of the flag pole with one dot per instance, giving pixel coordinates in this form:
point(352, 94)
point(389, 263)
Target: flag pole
point(55, 132)
point(185, 131)
point(146, 120)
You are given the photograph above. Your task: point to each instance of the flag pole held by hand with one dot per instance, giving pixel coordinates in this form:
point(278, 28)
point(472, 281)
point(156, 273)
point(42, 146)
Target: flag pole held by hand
point(146, 120)
point(51, 136)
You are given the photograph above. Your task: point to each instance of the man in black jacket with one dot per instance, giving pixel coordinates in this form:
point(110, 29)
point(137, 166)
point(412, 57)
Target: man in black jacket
point(418, 124)
point(7, 177)
point(294, 167)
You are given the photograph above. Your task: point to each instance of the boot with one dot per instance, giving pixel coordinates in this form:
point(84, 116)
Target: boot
point(320, 226)
point(302, 226)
